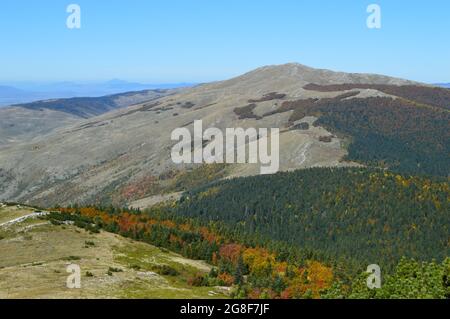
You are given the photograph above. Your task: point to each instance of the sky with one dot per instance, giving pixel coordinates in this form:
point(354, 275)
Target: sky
point(168, 41)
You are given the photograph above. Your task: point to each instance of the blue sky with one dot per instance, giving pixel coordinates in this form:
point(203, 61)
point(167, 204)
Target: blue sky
point(202, 40)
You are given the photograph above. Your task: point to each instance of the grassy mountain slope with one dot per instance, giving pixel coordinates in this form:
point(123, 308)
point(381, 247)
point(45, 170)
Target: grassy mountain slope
point(35, 254)
point(23, 122)
point(381, 121)
point(86, 107)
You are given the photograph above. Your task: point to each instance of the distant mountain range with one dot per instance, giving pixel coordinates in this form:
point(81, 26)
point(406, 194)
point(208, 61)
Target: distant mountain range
point(25, 92)
point(10, 95)
point(9, 91)
point(444, 85)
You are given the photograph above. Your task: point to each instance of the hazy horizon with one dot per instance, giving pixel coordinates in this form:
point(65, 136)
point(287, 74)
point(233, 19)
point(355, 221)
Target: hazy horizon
point(44, 82)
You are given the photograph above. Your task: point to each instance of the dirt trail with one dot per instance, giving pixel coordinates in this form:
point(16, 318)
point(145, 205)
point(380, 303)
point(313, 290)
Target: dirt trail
point(23, 218)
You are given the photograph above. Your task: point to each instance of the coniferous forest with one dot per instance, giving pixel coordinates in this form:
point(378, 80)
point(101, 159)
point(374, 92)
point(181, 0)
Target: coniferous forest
point(303, 234)
point(365, 215)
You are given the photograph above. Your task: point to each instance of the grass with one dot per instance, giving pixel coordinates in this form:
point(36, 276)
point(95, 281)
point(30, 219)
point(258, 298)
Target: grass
point(12, 212)
point(37, 268)
point(72, 258)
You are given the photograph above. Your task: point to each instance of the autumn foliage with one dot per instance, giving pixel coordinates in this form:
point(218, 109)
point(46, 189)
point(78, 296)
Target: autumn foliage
point(256, 270)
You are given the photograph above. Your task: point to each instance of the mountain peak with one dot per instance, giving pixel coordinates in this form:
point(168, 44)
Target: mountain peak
point(291, 77)
point(306, 74)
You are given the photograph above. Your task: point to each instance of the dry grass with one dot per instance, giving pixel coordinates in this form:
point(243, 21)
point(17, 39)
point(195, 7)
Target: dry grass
point(12, 212)
point(35, 255)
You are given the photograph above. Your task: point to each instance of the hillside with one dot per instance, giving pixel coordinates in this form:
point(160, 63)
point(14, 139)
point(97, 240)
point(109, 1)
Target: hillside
point(35, 254)
point(255, 266)
point(23, 122)
point(326, 118)
point(27, 91)
point(87, 107)
point(350, 213)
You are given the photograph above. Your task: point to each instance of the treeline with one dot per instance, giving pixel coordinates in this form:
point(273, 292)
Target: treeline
point(433, 96)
